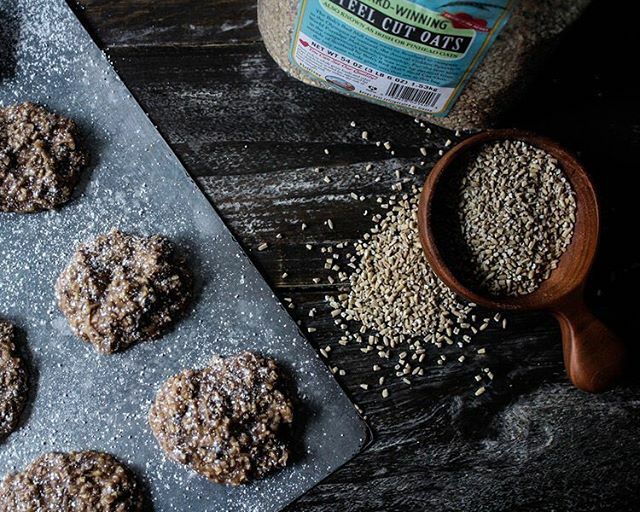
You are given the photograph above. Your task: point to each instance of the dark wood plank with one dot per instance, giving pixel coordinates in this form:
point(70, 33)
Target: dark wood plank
point(117, 23)
point(247, 116)
point(253, 136)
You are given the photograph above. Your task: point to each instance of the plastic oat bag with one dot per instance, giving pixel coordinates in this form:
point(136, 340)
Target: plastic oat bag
point(456, 63)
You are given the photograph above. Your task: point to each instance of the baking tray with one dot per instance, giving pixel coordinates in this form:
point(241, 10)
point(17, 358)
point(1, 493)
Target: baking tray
point(83, 400)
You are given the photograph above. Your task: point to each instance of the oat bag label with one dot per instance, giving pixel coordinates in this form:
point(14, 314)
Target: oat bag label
point(411, 53)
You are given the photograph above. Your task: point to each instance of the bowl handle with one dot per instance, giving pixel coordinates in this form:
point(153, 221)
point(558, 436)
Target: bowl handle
point(593, 355)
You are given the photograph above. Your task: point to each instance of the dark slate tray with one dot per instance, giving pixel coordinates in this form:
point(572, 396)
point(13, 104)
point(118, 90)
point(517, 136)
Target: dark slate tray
point(82, 400)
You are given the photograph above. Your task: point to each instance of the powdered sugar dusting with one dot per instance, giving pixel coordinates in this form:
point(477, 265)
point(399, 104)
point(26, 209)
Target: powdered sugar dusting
point(83, 400)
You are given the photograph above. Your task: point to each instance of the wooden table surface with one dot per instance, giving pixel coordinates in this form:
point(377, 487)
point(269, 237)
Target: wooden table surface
point(252, 136)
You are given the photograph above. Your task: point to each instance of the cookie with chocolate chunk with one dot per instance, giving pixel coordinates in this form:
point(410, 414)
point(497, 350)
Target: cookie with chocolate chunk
point(120, 289)
point(40, 159)
point(71, 482)
point(229, 422)
point(13, 381)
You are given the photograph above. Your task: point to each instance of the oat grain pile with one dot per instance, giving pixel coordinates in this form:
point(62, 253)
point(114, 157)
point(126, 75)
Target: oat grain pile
point(396, 306)
point(510, 215)
point(393, 290)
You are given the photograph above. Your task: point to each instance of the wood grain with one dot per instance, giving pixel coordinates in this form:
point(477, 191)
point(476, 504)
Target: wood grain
point(169, 22)
point(252, 137)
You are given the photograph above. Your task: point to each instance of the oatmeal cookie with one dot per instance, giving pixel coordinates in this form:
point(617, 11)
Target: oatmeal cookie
point(120, 289)
point(13, 381)
point(229, 422)
point(71, 482)
point(40, 159)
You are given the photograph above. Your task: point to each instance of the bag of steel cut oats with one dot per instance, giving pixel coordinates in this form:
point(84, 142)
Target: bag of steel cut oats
point(456, 63)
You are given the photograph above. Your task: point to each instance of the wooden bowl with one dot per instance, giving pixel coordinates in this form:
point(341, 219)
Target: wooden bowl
point(593, 355)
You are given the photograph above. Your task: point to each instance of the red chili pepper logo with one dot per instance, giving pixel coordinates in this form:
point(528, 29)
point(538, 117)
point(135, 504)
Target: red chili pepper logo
point(464, 20)
point(304, 43)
